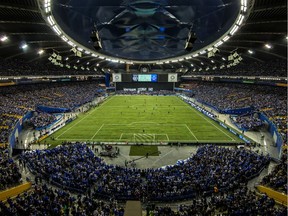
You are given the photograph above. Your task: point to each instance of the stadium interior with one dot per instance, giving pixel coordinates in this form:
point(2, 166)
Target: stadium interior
point(143, 107)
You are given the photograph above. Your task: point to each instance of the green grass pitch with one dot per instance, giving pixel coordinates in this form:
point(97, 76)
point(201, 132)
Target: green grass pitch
point(152, 150)
point(143, 119)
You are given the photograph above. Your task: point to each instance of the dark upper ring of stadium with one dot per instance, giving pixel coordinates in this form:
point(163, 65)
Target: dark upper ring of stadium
point(22, 22)
point(145, 30)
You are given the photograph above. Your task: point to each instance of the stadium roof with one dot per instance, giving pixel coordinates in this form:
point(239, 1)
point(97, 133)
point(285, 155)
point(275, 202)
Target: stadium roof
point(143, 32)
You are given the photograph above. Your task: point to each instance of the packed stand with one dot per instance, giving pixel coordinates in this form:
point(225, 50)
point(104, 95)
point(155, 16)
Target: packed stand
point(247, 122)
point(71, 166)
point(20, 67)
point(240, 201)
point(47, 201)
point(75, 167)
point(16, 101)
point(210, 167)
point(270, 100)
point(9, 170)
point(275, 68)
point(277, 179)
point(281, 124)
point(7, 122)
point(42, 119)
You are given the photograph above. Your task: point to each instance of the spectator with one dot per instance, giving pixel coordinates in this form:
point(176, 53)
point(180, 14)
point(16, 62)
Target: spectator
point(9, 171)
point(75, 167)
point(277, 179)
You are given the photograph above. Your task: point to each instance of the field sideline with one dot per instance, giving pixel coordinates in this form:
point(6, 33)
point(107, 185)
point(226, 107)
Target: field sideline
point(143, 119)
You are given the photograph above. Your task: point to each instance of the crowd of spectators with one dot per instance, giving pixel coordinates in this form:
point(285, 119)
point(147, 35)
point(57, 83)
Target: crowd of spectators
point(267, 99)
point(277, 179)
point(281, 124)
point(274, 68)
point(42, 119)
point(43, 200)
point(7, 121)
point(20, 67)
point(9, 170)
point(16, 101)
point(4, 134)
point(74, 166)
point(240, 201)
point(247, 122)
point(210, 167)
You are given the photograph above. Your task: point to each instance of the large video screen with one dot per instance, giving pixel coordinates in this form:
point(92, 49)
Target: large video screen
point(145, 78)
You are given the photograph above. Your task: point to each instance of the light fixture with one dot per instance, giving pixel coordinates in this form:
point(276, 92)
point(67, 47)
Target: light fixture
point(4, 38)
point(24, 46)
point(41, 51)
point(67, 59)
point(212, 61)
point(250, 51)
point(268, 46)
point(188, 46)
point(224, 59)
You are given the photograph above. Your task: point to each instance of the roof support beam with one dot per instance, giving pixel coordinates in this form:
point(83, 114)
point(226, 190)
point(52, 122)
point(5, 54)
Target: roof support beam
point(23, 8)
point(269, 8)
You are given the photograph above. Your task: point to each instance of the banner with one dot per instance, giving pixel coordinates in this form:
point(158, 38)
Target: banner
point(117, 77)
point(172, 77)
point(107, 79)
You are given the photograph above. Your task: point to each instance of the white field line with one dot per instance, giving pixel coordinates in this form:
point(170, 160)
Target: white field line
point(167, 137)
point(209, 121)
point(176, 125)
point(121, 136)
point(82, 119)
point(158, 106)
point(117, 140)
point(191, 132)
point(97, 131)
point(202, 141)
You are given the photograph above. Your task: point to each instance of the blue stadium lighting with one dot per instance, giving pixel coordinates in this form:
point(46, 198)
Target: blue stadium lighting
point(162, 29)
point(161, 37)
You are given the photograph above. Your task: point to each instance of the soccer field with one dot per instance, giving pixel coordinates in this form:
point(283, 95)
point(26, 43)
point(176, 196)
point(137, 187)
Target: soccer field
point(143, 119)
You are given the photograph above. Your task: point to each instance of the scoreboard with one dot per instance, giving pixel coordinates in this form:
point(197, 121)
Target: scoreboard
point(145, 77)
point(148, 78)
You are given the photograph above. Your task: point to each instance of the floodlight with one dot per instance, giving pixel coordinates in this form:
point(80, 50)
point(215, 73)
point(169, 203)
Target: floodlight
point(268, 46)
point(4, 38)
